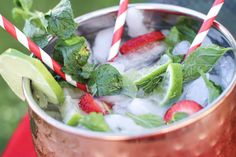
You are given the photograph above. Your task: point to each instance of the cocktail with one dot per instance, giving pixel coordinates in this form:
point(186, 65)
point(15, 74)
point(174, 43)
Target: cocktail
point(149, 101)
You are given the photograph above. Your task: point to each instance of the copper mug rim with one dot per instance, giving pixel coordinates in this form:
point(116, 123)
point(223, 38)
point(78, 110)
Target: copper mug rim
point(157, 131)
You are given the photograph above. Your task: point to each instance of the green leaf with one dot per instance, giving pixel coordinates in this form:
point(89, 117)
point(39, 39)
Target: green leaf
point(95, 121)
point(105, 80)
point(24, 4)
point(61, 20)
point(18, 14)
point(213, 89)
point(204, 58)
point(187, 28)
point(147, 120)
point(175, 58)
point(179, 116)
point(75, 119)
point(173, 37)
point(74, 54)
point(36, 29)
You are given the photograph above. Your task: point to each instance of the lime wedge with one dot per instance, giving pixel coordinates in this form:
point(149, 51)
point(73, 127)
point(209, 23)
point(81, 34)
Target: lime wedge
point(171, 85)
point(14, 65)
point(147, 79)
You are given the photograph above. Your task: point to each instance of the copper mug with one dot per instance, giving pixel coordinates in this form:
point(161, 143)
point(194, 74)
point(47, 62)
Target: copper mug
point(209, 133)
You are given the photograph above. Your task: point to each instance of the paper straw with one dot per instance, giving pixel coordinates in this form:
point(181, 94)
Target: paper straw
point(37, 51)
point(118, 30)
point(208, 22)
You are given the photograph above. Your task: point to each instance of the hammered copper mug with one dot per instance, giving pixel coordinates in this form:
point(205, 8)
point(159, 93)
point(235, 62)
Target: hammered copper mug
point(209, 133)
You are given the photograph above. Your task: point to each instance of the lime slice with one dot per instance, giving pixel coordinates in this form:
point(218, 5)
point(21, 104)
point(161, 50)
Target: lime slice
point(147, 79)
point(14, 65)
point(171, 85)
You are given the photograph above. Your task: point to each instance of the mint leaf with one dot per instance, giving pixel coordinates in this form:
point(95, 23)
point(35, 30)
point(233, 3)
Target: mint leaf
point(105, 80)
point(204, 58)
point(74, 54)
point(36, 29)
point(75, 119)
point(179, 116)
point(95, 121)
point(22, 9)
point(61, 20)
point(175, 58)
point(187, 28)
point(24, 4)
point(173, 37)
point(213, 90)
point(18, 13)
point(147, 120)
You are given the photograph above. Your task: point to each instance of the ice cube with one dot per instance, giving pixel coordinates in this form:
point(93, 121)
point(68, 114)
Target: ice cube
point(119, 66)
point(181, 48)
point(196, 91)
point(143, 57)
point(224, 70)
point(207, 42)
point(69, 108)
point(135, 23)
point(119, 103)
point(123, 124)
point(145, 106)
point(165, 32)
point(102, 45)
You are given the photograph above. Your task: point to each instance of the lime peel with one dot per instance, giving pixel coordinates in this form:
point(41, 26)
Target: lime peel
point(15, 65)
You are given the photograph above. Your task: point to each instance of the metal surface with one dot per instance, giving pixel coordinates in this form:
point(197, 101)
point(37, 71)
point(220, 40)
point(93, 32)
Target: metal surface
point(209, 133)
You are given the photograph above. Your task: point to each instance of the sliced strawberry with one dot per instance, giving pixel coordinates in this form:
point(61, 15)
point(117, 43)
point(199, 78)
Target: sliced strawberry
point(186, 106)
point(140, 41)
point(88, 104)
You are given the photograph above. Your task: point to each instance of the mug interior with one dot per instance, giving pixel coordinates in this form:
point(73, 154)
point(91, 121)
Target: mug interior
point(157, 16)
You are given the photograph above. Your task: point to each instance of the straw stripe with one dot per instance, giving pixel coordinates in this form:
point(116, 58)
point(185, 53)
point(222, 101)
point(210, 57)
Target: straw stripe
point(22, 38)
point(34, 49)
point(214, 11)
point(117, 36)
point(113, 50)
point(118, 30)
point(9, 27)
point(208, 22)
point(37, 51)
point(46, 59)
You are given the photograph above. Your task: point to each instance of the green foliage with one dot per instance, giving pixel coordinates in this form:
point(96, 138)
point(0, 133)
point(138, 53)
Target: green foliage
point(36, 29)
point(204, 59)
point(147, 120)
point(173, 37)
point(95, 121)
point(74, 54)
point(75, 119)
point(105, 80)
point(61, 20)
point(185, 29)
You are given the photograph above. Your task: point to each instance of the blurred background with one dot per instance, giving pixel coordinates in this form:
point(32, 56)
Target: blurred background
point(12, 109)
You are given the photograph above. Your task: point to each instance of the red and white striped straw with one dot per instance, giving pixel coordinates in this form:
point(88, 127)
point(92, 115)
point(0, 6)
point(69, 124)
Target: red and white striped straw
point(118, 30)
point(37, 51)
point(208, 22)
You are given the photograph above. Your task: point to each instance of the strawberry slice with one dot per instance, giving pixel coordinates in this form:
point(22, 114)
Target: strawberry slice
point(186, 106)
point(140, 41)
point(88, 104)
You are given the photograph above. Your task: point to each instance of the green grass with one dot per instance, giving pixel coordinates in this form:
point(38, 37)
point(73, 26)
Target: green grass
point(11, 108)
